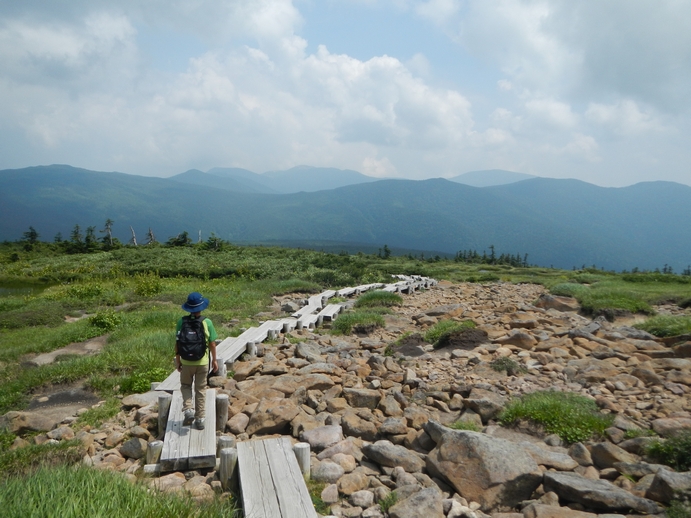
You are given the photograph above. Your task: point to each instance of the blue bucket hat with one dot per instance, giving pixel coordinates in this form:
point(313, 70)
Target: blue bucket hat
point(195, 303)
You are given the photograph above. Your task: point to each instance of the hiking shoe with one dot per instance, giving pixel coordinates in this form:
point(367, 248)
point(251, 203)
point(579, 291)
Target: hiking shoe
point(199, 423)
point(189, 418)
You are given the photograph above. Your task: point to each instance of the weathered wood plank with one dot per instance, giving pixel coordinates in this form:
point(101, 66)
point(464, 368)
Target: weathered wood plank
point(308, 321)
point(330, 312)
point(258, 493)
point(171, 383)
point(272, 484)
point(306, 310)
point(202, 450)
point(291, 491)
point(176, 443)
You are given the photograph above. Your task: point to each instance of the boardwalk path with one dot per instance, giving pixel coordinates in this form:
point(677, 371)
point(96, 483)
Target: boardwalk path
point(270, 481)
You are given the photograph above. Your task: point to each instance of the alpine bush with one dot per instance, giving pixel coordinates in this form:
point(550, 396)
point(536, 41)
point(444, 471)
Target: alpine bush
point(571, 416)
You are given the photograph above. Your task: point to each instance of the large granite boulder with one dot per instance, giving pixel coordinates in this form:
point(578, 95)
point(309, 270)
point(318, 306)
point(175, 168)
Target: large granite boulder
point(668, 485)
point(484, 469)
point(601, 495)
point(22, 422)
point(426, 502)
point(272, 415)
point(391, 455)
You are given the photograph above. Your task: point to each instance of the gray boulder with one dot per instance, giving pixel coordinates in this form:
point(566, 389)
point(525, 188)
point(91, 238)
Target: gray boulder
point(601, 495)
point(309, 352)
point(668, 485)
point(272, 415)
point(426, 502)
point(362, 398)
point(322, 437)
point(22, 422)
point(486, 403)
point(484, 469)
point(388, 454)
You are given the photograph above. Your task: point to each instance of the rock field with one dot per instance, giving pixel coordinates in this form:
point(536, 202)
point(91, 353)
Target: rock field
point(376, 415)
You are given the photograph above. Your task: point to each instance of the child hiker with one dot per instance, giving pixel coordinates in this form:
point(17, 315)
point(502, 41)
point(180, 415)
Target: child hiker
point(195, 337)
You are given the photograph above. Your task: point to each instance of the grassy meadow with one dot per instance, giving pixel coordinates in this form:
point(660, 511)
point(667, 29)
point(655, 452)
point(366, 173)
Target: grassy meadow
point(133, 296)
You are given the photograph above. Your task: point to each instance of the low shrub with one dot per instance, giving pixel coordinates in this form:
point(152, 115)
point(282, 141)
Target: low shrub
point(666, 325)
point(444, 328)
point(379, 298)
point(674, 451)
point(106, 320)
point(140, 381)
point(358, 321)
point(571, 416)
point(508, 365)
point(147, 284)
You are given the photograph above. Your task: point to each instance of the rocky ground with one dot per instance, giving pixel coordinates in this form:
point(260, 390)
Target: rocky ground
point(375, 415)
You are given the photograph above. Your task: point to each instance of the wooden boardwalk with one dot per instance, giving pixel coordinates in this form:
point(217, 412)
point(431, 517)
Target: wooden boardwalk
point(185, 447)
point(271, 482)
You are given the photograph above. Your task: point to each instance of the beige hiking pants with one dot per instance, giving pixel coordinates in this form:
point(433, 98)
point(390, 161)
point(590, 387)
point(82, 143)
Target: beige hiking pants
point(196, 374)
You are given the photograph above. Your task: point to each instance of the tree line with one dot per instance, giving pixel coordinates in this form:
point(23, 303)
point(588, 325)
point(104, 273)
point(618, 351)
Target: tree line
point(89, 240)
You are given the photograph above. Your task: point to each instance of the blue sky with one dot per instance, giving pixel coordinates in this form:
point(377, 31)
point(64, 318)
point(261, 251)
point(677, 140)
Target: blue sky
point(599, 91)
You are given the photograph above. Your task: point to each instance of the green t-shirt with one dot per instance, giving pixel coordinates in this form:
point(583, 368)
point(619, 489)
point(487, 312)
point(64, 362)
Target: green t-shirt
point(211, 336)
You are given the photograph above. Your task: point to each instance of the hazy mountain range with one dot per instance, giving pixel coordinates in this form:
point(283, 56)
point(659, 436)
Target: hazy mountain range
point(563, 223)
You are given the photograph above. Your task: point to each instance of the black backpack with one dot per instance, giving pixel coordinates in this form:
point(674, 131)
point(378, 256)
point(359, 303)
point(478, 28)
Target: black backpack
point(192, 339)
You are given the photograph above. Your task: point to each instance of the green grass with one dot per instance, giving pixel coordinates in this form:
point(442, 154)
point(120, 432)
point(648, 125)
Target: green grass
point(666, 325)
point(678, 509)
point(23, 461)
point(674, 451)
point(639, 432)
point(95, 417)
point(608, 293)
point(347, 323)
point(571, 416)
point(74, 492)
point(388, 501)
point(315, 490)
point(465, 425)
point(378, 298)
point(444, 328)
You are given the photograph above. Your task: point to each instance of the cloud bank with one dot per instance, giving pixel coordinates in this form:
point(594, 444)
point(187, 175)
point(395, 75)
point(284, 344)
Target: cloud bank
point(597, 91)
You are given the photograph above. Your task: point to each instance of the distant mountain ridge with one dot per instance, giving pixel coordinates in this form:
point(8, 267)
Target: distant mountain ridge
point(563, 223)
point(490, 178)
point(297, 179)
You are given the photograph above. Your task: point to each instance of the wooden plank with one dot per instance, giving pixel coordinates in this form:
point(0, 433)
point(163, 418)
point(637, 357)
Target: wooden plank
point(171, 383)
point(258, 493)
point(291, 491)
point(306, 310)
point(202, 451)
point(346, 292)
point(330, 312)
point(307, 321)
point(234, 352)
point(176, 443)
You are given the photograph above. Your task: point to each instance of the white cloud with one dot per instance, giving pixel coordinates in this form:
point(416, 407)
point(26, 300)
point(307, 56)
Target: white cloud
point(552, 112)
point(624, 117)
point(379, 168)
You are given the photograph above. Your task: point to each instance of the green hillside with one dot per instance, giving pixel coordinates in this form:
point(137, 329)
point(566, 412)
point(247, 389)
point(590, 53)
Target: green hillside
point(563, 223)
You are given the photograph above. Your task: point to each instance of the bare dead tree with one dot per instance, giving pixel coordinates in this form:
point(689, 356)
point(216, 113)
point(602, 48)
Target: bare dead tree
point(134, 236)
point(150, 238)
